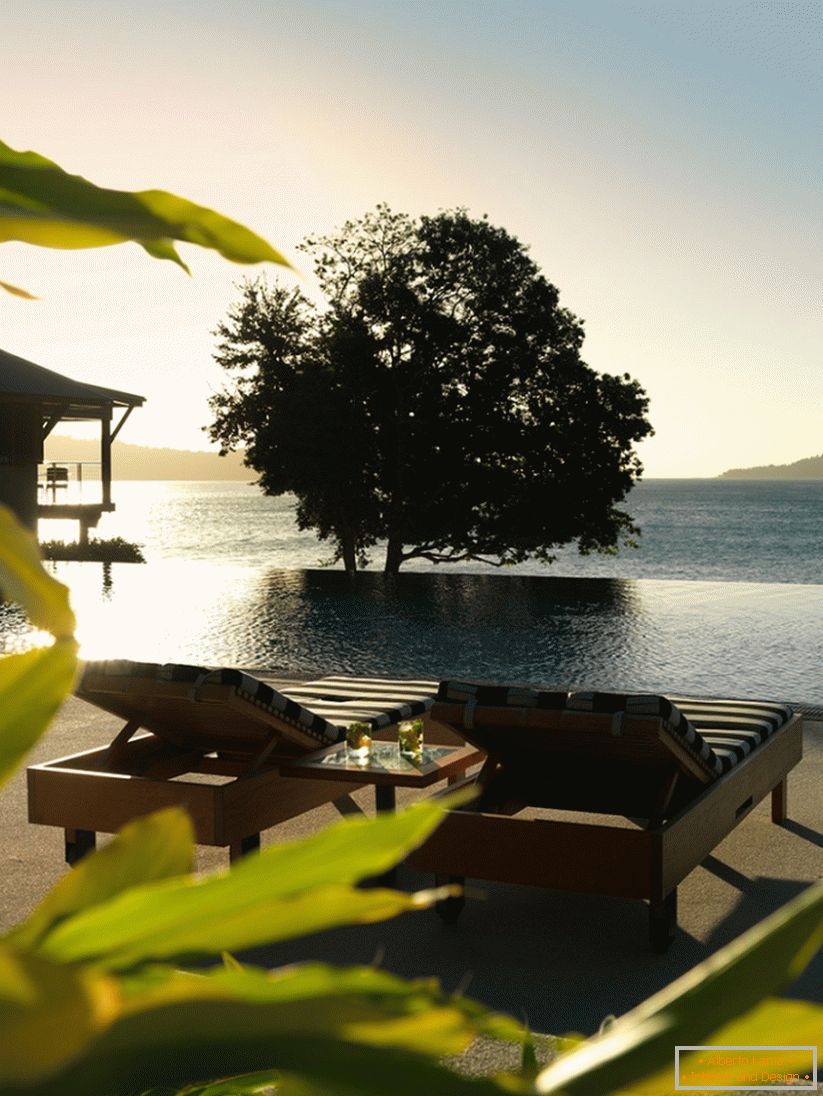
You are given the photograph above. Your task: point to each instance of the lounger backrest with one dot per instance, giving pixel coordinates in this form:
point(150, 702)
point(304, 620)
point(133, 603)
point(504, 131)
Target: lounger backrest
point(733, 728)
point(224, 709)
point(705, 737)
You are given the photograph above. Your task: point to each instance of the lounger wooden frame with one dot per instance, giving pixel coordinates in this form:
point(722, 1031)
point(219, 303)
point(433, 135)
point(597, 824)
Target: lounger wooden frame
point(88, 793)
point(643, 863)
point(225, 773)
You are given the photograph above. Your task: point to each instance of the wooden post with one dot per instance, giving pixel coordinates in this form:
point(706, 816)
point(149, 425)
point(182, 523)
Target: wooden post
point(79, 843)
point(245, 845)
point(663, 921)
point(105, 459)
point(780, 801)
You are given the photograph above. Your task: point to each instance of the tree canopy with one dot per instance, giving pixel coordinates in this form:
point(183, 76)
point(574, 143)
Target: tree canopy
point(436, 402)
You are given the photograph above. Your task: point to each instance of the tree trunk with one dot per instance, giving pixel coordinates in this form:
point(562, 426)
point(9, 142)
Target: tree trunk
point(349, 554)
point(394, 555)
point(396, 474)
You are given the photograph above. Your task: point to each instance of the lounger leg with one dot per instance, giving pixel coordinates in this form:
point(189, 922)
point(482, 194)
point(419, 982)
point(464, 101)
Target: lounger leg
point(663, 921)
point(385, 798)
point(780, 801)
point(449, 909)
point(244, 845)
point(79, 843)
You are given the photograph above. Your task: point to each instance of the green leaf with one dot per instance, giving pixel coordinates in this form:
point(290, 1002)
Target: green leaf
point(325, 999)
point(199, 225)
point(157, 847)
point(34, 684)
point(23, 579)
point(16, 291)
point(42, 204)
point(246, 1084)
point(132, 1057)
point(777, 1020)
point(282, 892)
point(32, 687)
point(352, 1031)
point(48, 1015)
point(727, 984)
point(528, 1061)
point(149, 925)
point(774, 1022)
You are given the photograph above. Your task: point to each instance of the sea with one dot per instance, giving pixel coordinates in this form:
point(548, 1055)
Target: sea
point(722, 597)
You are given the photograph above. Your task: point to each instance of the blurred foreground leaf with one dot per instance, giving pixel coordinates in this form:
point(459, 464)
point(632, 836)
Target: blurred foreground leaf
point(16, 291)
point(281, 892)
point(42, 204)
point(777, 1020)
point(157, 847)
point(336, 1043)
point(23, 579)
point(774, 1022)
point(144, 926)
point(357, 1003)
point(331, 1031)
point(247, 1084)
point(688, 1012)
point(32, 687)
point(48, 1015)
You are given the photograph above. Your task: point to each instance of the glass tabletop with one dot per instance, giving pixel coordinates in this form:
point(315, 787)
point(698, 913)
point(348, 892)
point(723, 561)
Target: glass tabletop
point(385, 757)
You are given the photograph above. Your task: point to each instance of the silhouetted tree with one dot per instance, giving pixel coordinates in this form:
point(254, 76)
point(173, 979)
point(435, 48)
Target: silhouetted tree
point(438, 402)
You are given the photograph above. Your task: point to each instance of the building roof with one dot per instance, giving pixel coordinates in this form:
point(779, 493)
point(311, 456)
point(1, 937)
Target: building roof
point(23, 381)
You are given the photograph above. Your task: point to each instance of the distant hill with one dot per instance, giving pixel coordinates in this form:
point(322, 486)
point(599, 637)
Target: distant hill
point(810, 468)
point(139, 462)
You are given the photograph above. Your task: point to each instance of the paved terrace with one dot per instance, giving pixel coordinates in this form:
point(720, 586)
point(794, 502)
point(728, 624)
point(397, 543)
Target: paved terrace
point(562, 960)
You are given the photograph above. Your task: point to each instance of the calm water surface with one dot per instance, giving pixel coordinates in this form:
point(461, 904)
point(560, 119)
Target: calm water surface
point(706, 530)
point(724, 596)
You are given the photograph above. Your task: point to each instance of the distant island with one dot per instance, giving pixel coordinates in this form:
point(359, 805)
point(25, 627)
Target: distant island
point(810, 468)
point(140, 462)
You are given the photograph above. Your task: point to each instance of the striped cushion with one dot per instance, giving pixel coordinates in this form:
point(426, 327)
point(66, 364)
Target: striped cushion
point(259, 694)
point(499, 696)
point(243, 685)
point(733, 728)
point(718, 733)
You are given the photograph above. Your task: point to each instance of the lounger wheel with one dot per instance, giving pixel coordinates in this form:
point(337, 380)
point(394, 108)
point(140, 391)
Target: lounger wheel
point(663, 922)
point(449, 909)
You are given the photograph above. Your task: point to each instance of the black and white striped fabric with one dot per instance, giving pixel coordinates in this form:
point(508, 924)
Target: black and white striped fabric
point(260, 695)
point(380, 701)
point(733, 728)
point(718, 733)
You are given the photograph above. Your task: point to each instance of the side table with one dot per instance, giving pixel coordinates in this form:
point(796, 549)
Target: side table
point(386, 768)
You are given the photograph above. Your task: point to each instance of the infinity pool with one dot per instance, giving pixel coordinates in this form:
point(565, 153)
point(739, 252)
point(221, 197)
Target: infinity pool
point(743, 639)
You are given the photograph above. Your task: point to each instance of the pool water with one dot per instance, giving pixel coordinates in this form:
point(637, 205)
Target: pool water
point(710, 638)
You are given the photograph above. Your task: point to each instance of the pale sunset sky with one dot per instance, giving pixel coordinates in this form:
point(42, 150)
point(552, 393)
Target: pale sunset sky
point(662, 159)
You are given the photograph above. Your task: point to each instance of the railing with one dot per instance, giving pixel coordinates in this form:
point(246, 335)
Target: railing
point(68, 481)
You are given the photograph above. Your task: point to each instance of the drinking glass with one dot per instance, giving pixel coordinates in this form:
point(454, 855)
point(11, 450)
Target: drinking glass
point(358, 741)
point(410, 739)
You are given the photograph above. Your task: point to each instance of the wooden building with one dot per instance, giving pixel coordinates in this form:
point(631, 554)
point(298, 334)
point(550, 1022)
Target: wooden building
point(33, 400)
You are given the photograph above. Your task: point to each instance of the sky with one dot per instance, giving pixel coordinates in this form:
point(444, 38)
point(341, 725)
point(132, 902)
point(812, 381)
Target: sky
point(661, 159)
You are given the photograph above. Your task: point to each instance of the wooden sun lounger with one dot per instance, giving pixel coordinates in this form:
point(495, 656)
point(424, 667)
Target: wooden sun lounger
point(212, 742)
point(683, 794)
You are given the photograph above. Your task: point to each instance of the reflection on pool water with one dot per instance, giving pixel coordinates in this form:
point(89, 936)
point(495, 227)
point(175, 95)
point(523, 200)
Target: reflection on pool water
point(743, 639)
